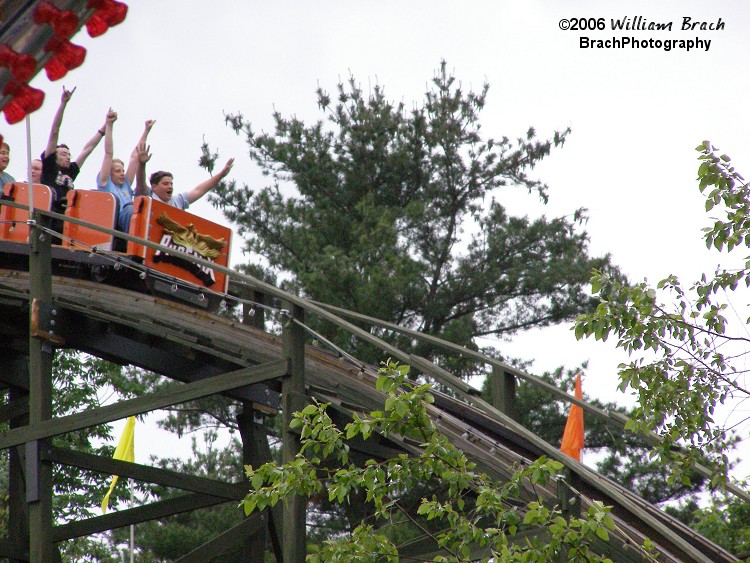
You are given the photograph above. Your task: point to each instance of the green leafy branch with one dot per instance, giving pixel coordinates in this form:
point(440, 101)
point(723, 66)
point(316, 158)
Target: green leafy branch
point(466, 510)
point(685, 359)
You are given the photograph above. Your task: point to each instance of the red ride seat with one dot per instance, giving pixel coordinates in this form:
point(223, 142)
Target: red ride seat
point(92, 206)
point(13, 226)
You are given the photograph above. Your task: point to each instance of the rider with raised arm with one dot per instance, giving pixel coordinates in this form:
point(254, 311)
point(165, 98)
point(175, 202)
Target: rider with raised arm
point(113, 177)
point(58, 171)
point(162, 187)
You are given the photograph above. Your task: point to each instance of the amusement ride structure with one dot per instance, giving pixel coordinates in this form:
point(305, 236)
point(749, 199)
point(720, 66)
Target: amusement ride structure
point(157, 305)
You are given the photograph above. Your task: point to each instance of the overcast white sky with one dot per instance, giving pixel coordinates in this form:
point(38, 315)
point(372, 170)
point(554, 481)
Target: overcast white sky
point(636, 114)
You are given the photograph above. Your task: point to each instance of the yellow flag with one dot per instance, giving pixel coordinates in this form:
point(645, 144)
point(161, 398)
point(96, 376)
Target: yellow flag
point(125, 451)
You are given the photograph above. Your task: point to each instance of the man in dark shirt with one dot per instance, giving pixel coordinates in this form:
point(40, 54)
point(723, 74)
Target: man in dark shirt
point(58, 172)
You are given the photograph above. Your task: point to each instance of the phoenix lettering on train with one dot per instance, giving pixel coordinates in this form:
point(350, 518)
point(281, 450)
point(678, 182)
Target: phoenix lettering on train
point(187, 240)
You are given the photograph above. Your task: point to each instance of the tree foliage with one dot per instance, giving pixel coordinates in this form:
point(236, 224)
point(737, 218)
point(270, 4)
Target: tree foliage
point(687, 358)
point(396, 213)
point(725, 520)
point(624, 457)
point(465, 510)
point(80, 382)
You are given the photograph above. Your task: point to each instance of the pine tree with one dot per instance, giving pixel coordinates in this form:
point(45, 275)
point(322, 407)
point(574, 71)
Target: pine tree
point(398, 214)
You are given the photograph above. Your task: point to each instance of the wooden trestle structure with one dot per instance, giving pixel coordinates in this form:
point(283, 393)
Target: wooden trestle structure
point(210, 355)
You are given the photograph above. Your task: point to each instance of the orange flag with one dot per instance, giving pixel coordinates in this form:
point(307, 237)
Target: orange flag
point(572, 440)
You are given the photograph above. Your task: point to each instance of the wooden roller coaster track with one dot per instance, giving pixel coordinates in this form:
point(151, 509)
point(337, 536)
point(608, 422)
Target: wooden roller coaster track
point(213, 354)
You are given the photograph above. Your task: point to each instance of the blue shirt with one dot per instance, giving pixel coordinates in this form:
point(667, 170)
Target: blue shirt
point(180, 201)
point(6, 178)
point(123, 194)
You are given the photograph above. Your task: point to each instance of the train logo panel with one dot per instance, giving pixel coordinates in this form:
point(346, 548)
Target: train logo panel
point(185, 233)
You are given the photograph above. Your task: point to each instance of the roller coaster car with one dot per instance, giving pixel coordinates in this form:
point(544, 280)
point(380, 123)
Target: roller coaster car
point(86, 251)
point(13, 226)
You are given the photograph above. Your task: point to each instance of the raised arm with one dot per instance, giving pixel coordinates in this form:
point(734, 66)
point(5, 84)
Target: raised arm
point(134, 164)
point(142, 187)
point(202, 189)
point(91, 145)
point(54, 133)
point(106, 169)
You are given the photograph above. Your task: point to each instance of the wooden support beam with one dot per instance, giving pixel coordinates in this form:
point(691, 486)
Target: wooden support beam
point(14, 367)
point(38, 473)
point(15, 408)
point(253, 442)
point(249, 528)
point(148, 403)
point(568, 496)
point(254, 315)
point(122, 518)
point(12, 550)
point(293, 399)
point(275, 517)
point(14, 378)
point(503, 392)
point(18, 509)
point(174, 360)
point(148, 474)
